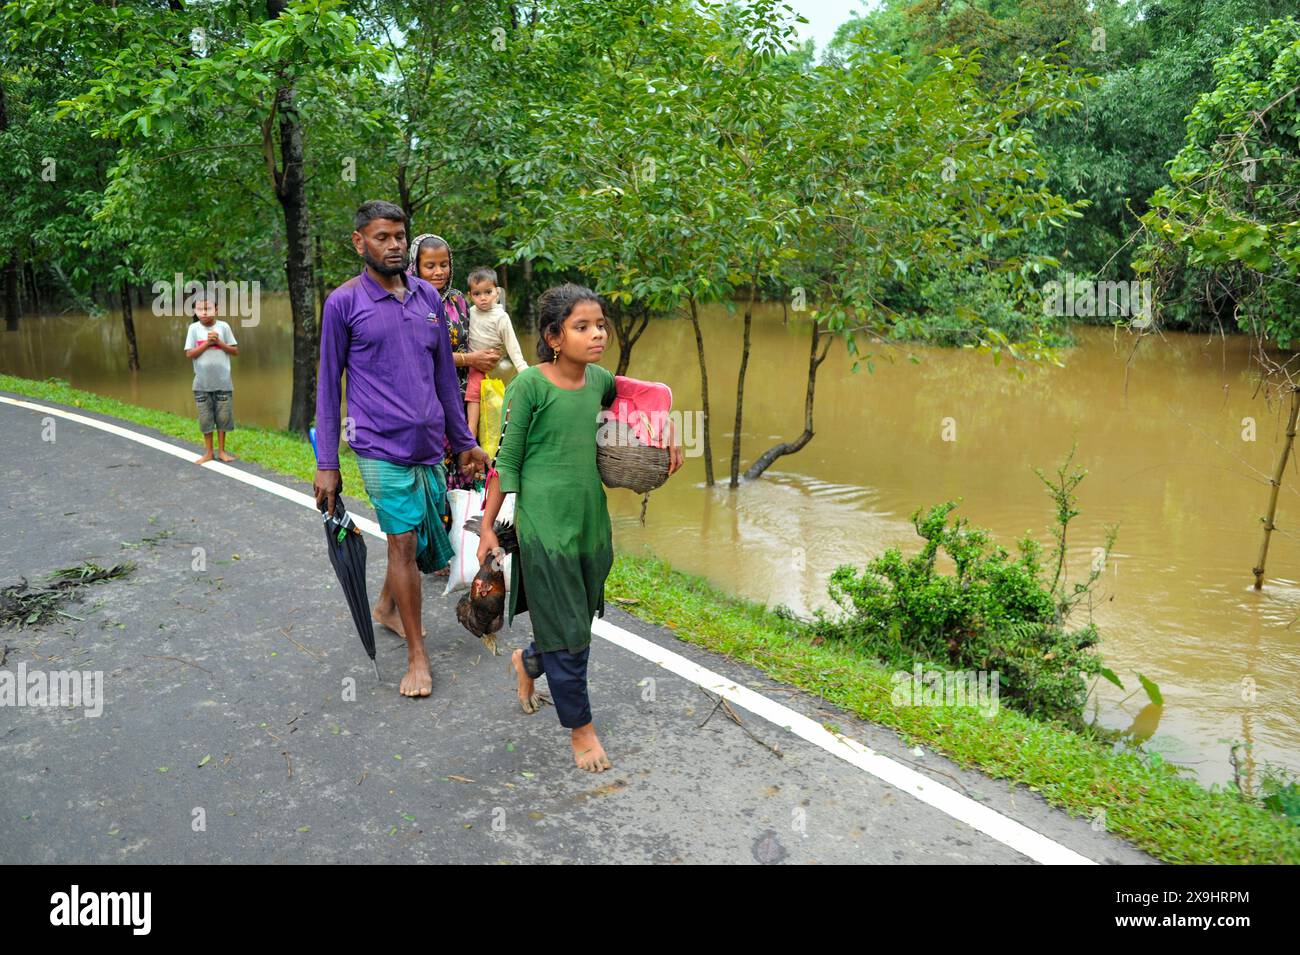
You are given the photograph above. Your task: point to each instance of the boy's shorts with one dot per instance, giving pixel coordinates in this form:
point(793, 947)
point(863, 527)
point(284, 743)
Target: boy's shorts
point(216, 410)
point(474, 386)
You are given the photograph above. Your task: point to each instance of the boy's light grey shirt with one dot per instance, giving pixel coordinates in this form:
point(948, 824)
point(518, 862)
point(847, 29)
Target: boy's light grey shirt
point(212, 368)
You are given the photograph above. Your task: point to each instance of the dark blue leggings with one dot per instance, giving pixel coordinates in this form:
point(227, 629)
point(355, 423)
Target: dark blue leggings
point(566, 675)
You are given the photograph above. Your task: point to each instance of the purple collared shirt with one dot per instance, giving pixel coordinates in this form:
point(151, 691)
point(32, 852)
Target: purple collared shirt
point(403, 394)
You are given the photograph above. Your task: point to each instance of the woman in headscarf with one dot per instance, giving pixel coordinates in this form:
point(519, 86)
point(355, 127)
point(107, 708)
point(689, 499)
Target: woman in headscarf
point(430, 259)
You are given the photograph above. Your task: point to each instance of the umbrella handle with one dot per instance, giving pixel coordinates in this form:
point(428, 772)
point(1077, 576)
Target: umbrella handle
point(339, 511)
point(340, 519)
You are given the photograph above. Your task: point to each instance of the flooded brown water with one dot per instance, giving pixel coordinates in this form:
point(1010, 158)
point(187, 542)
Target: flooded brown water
point(1165, 453)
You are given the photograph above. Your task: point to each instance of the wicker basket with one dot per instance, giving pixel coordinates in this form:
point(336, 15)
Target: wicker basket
point(624, 461)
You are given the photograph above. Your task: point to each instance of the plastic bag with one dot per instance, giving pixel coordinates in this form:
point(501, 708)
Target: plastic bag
point(492, 396)
point(464, 544)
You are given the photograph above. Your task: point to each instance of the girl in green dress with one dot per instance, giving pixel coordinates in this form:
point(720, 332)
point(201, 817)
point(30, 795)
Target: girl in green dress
point(547, 459)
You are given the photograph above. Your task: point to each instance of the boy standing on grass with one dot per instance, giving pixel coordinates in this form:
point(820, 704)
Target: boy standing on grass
point(209, 344)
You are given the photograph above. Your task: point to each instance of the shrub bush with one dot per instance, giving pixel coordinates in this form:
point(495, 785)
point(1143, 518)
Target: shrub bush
point(995, 612)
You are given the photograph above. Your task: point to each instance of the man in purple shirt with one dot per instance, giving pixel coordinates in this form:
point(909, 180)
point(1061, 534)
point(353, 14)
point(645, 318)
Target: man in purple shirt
point(386, 329)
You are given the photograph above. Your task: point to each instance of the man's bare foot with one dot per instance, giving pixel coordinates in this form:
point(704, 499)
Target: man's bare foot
point(225, 456)
point(418, 681)
point(587, 751)
point(391, 619)
point(529, 701)
point(205, 459)
point(443, 572)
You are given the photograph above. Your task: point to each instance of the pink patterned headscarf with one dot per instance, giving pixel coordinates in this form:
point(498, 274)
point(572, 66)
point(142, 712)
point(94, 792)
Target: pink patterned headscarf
point(413, 266)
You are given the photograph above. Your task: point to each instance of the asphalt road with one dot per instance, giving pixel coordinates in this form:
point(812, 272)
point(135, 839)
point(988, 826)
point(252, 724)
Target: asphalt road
point(226, 736)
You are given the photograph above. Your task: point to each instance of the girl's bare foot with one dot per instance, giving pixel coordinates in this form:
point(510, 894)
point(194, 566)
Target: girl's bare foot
point(529, 701)
point(417, 681)
point(389, 617)
point(225, 456)
point(587, 751)
point(205, 459)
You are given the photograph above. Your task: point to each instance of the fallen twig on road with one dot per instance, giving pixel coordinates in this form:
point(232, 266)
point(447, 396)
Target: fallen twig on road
point(720, 702)
point(315, 656)
point(188, 663)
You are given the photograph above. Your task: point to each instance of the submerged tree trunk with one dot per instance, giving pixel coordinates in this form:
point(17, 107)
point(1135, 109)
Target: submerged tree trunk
point(1278, 471)
point(704, 392)
point(740, 388)
point(320, 281)
point(128, 323)
point(33, 289)
point(629, 322)
point(821, 344)
point(297, 265)
point(526, 310)
point(290, 189)
point(12, 309)
point(11, 306)
point(404, 193)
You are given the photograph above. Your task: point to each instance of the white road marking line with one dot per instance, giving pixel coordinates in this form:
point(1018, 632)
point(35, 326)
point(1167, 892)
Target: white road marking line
point(976, 815)
point(185, 454)
point(993, 824)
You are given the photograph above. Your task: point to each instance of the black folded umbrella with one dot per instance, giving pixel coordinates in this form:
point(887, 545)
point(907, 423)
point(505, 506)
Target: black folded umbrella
point(347, 550)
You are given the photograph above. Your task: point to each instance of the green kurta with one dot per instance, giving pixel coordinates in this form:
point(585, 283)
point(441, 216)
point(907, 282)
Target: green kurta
point(548, 456)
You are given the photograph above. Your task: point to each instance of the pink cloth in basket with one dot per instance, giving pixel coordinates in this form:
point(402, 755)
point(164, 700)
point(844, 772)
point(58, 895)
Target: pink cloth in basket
point(635, 397)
